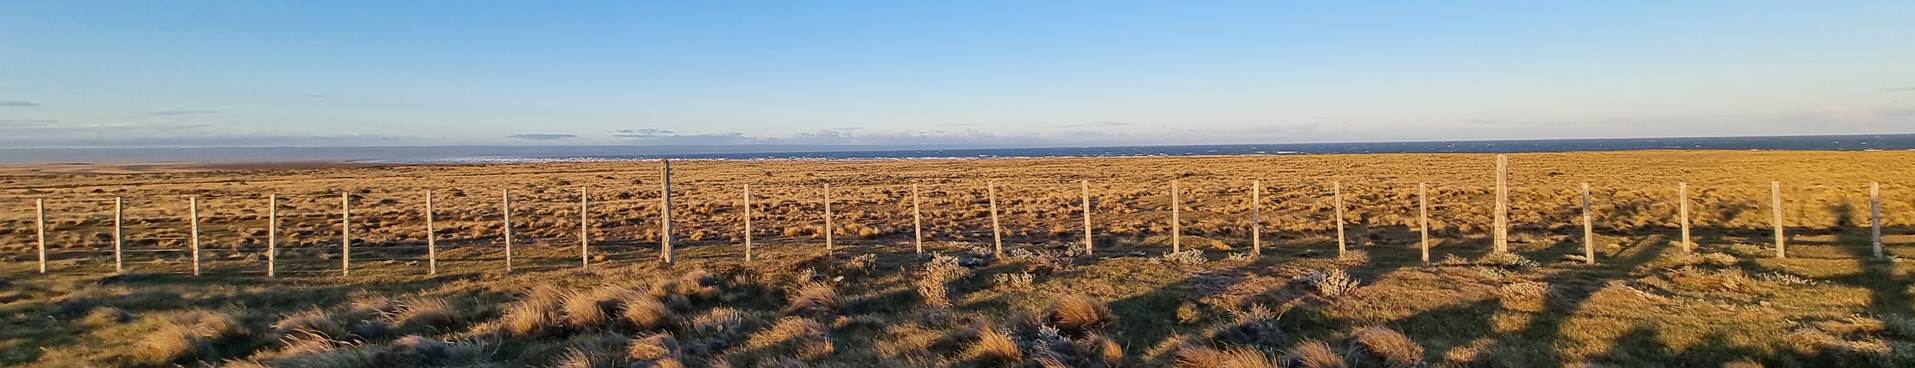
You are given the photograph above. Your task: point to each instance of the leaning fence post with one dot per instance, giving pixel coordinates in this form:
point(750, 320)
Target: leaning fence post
point(1682, 205)
point(345, 234)
point(1501, 231)
point(917, 220)
point(997, 239)
point(1589, 230)
point(272, 234)
point(1775, 200)
point(1089, 248)
point(1336, 195)
point(1256, 218)
point(192, 204)
point(665, 252)
point(1176, 221)
point(119, 234)
point(505, 200)
point(1875, 217)
point(827, 192)
point(1423, 217)
point(40, 230)
point(584, 237)
point(747, 222)
point(432, 239)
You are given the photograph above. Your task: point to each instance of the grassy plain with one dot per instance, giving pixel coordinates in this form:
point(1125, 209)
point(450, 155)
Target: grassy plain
point(873, 301)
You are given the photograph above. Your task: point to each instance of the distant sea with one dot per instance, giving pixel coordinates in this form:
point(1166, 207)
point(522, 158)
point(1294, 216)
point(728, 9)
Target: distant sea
point(489, 154)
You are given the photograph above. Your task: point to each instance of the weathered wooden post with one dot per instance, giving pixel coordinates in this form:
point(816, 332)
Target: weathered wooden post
point(917, 221)
point(747, 216)
point(432, 239)
point(1084, 187)
point(1423, 217)
point(272, 235)
point(505, 208)
point(1256, 218)
point(1501, 232)
point(192, 204)
point(828, 227)
point(665, 251)
point(1336, 195)
point(40, 230)
point(997, 239)
point(1775, 202)
point(584, 235)
point(345, 234)
point(1176, 221)
point(1875, 217)
point(1682, 206)
point(1589, 230)
point(119, 234)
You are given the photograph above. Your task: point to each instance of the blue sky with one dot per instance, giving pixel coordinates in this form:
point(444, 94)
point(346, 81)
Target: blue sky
point(269, 73)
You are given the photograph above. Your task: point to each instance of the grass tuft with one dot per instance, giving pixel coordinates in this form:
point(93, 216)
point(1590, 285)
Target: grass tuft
point(1391, 347)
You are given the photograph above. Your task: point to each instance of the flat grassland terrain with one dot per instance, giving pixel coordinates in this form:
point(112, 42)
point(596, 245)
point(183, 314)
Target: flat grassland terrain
point(873, 301)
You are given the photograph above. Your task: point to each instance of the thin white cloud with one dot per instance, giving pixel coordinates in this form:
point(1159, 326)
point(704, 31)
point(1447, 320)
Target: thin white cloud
point(12, 103)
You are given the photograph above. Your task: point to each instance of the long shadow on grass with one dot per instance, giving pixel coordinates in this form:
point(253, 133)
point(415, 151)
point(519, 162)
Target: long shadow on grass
point(1571, 287)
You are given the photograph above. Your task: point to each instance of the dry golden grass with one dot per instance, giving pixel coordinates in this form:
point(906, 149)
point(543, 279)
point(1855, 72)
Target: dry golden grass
point(1646, 303)
point(1390, 347)
point(1206, 357)
point(1080, 314)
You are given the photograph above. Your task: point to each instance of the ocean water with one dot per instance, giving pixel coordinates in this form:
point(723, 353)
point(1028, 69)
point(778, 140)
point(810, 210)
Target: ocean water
point(480, 154)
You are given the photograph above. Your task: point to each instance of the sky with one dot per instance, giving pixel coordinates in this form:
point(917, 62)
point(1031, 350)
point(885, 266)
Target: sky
point(166, 73)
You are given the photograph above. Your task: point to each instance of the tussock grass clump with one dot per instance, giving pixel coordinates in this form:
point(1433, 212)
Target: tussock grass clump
point(994, 345)
point(813, 299)
point(602, 350)
point(798, 336)
point(1391, 347)
point(1079, 314)
point(1193, 356)
point(645, 312)
point(1315, 354)
point(312, 320)
point(658, 350)
point(536, 314)
point(433, 314)
point(594, 308)
point(184, 335)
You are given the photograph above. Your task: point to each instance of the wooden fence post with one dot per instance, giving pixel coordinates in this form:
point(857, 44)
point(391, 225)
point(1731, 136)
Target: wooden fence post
point(1875, 218)
point(432, 239)
point(1501, 232)
point(665, 251)
point(997, 240)
point(1256, 218)
point(917, 221)
point(828, 228)
point(40, 230)
point(119, 234)
point(345, 234)
point(1089, 248)
point(272, 234)
point(1775, 201)
point(1589, 230)
point(584, 235)
point(1176, 221)
point(192, 204)
point(1336, 196)
point(1423, 217)
point(1682, 206)
point(505, 196)
point(747, 222)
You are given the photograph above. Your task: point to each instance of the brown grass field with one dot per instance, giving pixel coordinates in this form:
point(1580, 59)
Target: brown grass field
point(873, 301)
